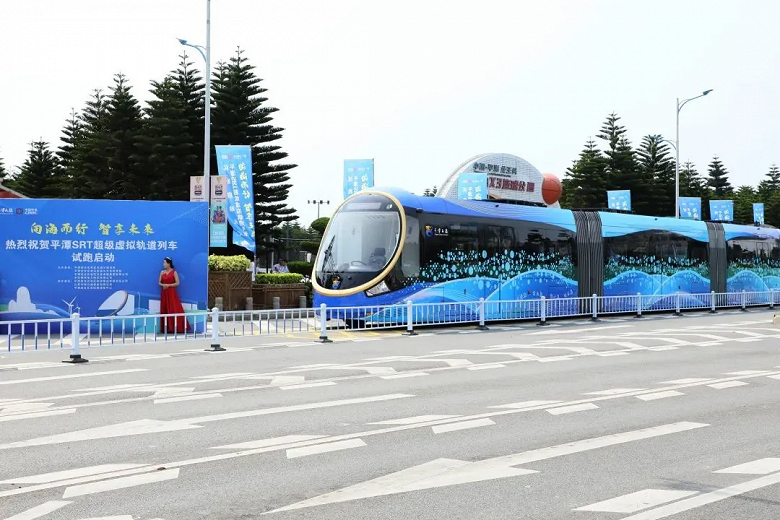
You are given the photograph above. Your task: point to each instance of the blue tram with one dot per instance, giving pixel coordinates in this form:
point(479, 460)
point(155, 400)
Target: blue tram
point(385, 246)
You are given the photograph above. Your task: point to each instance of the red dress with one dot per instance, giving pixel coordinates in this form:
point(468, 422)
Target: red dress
point(171, 304)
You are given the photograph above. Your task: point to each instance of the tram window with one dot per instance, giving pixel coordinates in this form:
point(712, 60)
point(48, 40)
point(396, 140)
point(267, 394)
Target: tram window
point(497, 239)
point(750, 249)
point(663, 246)
point(410, 258)
point(544, 240)
point(464, 237)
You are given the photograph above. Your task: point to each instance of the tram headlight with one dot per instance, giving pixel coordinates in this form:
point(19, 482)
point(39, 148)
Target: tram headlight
point(378, 289)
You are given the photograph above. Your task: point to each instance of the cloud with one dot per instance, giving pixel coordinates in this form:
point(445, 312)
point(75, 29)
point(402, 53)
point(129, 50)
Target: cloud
point(23, 303)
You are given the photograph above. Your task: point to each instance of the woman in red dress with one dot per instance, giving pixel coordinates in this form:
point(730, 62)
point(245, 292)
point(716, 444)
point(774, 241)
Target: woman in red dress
point(170, 302)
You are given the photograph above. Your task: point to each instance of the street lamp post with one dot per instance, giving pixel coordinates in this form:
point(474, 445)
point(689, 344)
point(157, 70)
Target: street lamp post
point(677, 150)
point(318, 203)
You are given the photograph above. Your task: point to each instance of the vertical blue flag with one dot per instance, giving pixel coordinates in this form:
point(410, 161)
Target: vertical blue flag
point(758, 213)
point(472, 186)
point(722, 210)
point(619, 199)
point(358, 175)
point(235, 162)
point(690, 207)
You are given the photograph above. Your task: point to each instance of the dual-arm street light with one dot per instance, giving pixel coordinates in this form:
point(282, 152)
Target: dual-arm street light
point(677, 150)
point(318, 203)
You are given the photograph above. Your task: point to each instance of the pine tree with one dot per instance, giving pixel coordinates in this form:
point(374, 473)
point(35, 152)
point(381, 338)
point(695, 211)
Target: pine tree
point(622, 170)
point(772, 182)
point(192, 93)
point(692, 184)
point(718, 179)
point(743, 204)
point(66, 153)
point(585, 184)
point(164, 148)
point(654, 163)
point(123, 123)
point(87, 169)
point(3, 173)
point(40, 175)
point(241, 117)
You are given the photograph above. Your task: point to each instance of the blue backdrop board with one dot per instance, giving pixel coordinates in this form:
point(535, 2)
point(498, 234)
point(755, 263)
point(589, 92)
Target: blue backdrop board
point(99, 258)
point(722, 210)
point(235, 162)
point(758, 212)
point(358, 175)
point(690, 207)
point(619, 199)
point(472, 186)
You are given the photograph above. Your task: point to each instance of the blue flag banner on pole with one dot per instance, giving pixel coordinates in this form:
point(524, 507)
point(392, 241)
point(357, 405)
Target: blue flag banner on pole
point(358, 175)
point(619, 199)
point(722, 210)
point(472, 186)
point(758, 213)
point(235, 162)
point(100, 258)
point(690, 208)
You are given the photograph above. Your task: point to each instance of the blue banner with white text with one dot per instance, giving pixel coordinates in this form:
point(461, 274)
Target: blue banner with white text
point(235, 162)
point(758, 213)
point(99, 258)
point(619, 199)
point(690, 208)
point(722, 210)
point(472, 186)
point(358, 175)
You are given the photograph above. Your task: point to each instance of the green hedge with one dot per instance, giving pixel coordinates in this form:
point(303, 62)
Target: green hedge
point(302, 268)
point(228, 263)
point(277, 278)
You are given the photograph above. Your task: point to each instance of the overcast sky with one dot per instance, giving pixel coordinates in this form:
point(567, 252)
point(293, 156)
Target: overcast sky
point(422, 85)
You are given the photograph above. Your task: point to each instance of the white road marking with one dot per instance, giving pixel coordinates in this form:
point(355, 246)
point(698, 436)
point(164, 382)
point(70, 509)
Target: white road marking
point(571, 409)
point(23, 407)
point(71, 473)
point(525, 404)
point(308, 385)
point(727, 384)
point(39, 511)
point(612, 353)
point(757, 467)
point(553, 358)
point(687, 381)
point(404, 376)
point(415, 419)
point(120, 517)
point(71, 376)
point(577, 330)
point(486, 367)
point(748, 372)
point(195, 397)
point(229, 375)
point(659, 395)
point(120, 483)
point(634, 502)
point(448, 472)
point(776, 376)
point(614, 391)
point(34, 415)
point(264, 443)
point(707, 498)
point(465, 425)
point(663, 348)
point(293, 453)
point(112, 387)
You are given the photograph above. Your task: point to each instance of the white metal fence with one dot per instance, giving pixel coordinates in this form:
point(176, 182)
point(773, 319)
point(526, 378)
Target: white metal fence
point(77, 332)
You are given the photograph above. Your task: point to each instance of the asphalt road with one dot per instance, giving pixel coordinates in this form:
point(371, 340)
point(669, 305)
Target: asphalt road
point(665, 417)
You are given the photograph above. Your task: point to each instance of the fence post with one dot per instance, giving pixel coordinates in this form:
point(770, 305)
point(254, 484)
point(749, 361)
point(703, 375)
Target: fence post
point(744, 301)
point(594, 303)
point(543, 313)
point(677, 311)
point(713, 302)
point(75, 334)
point(215, 347)
point(323, 324)
point(639, 305)
point(410, 319)
point(771, 298)
point(482, 325)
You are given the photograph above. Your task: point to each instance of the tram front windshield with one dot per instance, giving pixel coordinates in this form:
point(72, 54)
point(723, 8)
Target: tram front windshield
point(360, 241)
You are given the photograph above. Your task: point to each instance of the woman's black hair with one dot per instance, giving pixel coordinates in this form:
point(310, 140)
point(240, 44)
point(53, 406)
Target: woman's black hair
point(170, 262)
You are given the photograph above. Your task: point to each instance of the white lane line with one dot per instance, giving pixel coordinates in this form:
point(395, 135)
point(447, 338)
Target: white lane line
point(414, 420)
point(757, 467)
point(71, 376)
point(120, 483)
point(776, 376)
point(687, 381)
point(71, 473)
point(264, 443)
point(659, 395)
point(307, 385)
point(195, 397)
point(663, 348)
point(293, 453)
point(748, 372)
point(727, 384)
point(577, 330)
point(612, 353)
point(615, 391)
point(404, 376)
point(524, 404)
point(553, 359)
point(23, 407)
point(571, 409)
point(465, 425)
point(120, 517)
point(486, 367)
point(229, 375)
point(34, 415)
point(39, 511)
point(708, 498)
point(634, 502)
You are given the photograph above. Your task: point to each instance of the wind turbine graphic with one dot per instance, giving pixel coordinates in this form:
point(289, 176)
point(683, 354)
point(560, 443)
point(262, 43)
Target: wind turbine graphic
point(70, 305)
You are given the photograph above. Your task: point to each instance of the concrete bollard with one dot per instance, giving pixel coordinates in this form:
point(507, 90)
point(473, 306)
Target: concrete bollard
point(218, 303)
point(324, 324)
point(250, 303)
point(302, 303)
point(277, 302)
point(215, 347)
point(75, 334)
